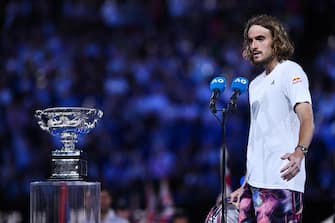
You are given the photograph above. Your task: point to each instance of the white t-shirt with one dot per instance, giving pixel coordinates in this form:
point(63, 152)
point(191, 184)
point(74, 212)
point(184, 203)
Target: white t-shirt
point(274, 127)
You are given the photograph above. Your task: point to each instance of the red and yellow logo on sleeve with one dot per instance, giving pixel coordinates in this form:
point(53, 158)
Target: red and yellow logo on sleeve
point(296, 80)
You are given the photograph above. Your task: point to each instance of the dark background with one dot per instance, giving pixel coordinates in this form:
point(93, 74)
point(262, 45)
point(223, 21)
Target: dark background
point(147, 65)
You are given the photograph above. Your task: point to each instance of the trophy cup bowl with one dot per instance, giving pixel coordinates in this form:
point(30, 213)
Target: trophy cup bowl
point(67, 123)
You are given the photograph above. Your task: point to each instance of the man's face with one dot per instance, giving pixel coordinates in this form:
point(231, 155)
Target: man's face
point(260, 42)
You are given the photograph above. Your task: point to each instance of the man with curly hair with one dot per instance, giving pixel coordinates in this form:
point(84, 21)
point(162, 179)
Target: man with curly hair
point(281, 127)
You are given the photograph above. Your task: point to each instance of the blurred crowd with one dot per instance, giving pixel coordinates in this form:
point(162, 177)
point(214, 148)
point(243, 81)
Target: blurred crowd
point(147, 65)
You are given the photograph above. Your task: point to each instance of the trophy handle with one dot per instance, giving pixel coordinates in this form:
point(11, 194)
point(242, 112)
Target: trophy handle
point(38, 115)
point(99, 115)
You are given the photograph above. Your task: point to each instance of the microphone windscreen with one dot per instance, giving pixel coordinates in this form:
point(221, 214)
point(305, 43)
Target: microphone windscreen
point(218, 83)
point(240, 84)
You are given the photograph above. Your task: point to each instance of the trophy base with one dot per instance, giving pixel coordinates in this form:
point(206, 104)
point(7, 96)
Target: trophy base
point(64, 201)
point(68, 165)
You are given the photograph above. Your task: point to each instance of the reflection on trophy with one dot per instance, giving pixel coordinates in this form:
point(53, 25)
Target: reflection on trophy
point(68, 163)
point(66, 197)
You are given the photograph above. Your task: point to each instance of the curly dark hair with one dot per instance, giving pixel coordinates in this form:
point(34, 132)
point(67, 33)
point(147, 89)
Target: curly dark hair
point(282, 45)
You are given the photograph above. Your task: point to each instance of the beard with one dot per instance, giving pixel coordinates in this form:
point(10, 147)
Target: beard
point(263, 61)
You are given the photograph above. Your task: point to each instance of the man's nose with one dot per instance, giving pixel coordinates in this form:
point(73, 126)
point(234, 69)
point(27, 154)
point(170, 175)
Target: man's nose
point(253, 45)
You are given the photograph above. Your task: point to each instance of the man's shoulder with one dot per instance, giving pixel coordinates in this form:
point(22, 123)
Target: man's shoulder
point(289, 64)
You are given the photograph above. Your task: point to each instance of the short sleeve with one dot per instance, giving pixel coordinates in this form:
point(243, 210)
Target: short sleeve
point(296, 86)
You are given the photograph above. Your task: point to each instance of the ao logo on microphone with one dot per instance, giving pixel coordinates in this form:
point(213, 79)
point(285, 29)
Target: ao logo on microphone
point(241, 80)
point(218, 80)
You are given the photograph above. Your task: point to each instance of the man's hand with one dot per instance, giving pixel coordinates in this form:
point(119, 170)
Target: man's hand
point(235, 196)
point(291, 169)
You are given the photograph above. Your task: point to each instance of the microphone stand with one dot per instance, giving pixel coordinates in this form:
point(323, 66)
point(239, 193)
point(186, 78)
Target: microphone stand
point(231, 106)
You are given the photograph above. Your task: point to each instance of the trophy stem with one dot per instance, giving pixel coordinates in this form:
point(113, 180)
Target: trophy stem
point(69, 140)
point(68, 144)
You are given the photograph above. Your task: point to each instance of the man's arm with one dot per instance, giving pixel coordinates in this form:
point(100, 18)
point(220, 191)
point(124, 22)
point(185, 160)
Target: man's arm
point(305, 114)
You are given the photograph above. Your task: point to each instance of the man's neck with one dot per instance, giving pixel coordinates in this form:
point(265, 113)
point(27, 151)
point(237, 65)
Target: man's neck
point(271, 65)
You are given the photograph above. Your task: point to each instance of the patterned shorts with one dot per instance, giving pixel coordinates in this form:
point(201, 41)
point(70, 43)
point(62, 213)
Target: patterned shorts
point(270, 205)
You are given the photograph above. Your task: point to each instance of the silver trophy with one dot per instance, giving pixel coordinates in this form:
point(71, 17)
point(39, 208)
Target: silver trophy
point(67, 123)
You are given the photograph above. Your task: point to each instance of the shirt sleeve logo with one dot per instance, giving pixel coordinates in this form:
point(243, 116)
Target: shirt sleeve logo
point(296, 80)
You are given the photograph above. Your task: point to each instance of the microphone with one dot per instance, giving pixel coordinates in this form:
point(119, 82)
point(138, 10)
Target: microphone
point(239, 86)
point(217, 85)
